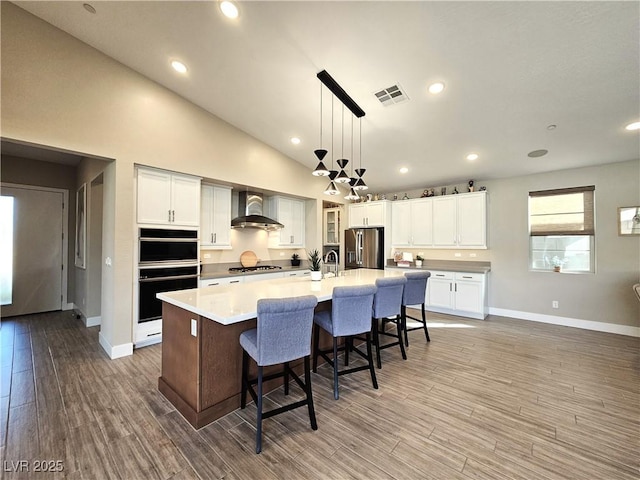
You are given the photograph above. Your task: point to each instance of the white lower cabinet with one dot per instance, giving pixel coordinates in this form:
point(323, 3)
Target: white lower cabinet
point(220, 281)
point(458, 293)
point(263, 276)
point(297, 273)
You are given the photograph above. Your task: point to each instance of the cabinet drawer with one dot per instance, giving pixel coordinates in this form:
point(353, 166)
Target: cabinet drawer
point(470, 277)
point(442, 275)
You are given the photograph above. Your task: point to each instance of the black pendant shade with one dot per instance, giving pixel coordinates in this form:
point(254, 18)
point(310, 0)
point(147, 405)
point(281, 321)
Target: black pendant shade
point(342, 176)
point(320, 153)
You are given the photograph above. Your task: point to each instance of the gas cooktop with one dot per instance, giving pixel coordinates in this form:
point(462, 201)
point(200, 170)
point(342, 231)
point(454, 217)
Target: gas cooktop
point(254, 269)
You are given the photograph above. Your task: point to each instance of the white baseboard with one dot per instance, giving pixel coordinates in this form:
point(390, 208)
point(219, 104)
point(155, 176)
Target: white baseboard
point(92, 321)
point(118, 351)
point(568, 322)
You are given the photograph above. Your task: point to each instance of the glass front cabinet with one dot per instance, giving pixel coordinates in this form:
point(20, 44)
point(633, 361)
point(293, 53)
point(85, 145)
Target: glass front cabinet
point(331, 226)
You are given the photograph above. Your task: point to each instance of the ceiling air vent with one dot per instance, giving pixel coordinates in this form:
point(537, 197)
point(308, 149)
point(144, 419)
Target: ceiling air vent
point(391, 95)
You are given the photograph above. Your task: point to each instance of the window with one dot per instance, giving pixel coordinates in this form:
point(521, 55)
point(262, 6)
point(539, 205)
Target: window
point(6, 250)
point(562, 229)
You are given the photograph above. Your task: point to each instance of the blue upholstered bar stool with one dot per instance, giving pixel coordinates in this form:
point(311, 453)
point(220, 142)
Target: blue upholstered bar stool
point(350, 316)
point(283, 334)
point(387, 307)
point(415, 292)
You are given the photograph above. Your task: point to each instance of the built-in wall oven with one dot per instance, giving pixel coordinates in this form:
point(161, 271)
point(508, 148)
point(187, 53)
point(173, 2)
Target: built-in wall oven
point(167, 261)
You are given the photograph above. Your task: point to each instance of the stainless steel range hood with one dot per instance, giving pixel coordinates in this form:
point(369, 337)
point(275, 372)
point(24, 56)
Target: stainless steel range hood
point(250, 213)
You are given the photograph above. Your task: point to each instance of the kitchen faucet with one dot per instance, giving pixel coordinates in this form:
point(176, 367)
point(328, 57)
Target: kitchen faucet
point(335, 257)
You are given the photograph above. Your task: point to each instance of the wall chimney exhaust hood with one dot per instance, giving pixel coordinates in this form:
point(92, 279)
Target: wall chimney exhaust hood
point(250, 213)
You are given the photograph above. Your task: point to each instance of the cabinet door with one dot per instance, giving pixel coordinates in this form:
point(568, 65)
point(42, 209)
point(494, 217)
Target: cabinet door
point(262, 277)
point(221, 216)
point(357, 213)
point(469, 296)
point(421, 222)
point(440, 292)
point(402, 223)
point(154, 197)
point(297, 223)
point(284, 214)
point(375, 215)
point(206, 215)
point(444, 221)
point(472, 220)
point(331, 226)
point(185, 200)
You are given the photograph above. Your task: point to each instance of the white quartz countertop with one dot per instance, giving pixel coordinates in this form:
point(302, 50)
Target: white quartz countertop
point(228, 304)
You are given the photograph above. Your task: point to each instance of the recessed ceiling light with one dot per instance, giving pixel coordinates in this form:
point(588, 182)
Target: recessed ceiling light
point(436, 88)
point(179, 66)
point(633, 126)
point(472, 156)
point(552, 126)
point(538, 153)
point(89, 8)
point(404, 170)
point(229, 9)
point(295, 140)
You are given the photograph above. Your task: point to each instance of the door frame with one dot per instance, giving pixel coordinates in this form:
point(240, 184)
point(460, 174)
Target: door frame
point(65, 234)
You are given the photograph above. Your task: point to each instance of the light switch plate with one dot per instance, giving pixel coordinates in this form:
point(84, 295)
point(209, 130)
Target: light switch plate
point(194, 328)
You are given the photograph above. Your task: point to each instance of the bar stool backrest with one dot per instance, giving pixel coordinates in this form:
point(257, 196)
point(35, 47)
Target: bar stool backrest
point(284, 328)
point(416, 288)
point(351, 310)
point(388, 298)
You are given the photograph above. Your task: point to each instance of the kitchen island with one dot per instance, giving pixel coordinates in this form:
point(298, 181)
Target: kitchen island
point(201, 354)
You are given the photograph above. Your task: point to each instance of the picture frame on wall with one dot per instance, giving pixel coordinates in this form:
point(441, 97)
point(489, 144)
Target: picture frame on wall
point(81, 226)
point(629, 220)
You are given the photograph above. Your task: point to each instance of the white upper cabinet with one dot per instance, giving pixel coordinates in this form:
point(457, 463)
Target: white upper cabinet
point(460, 221)
point(412, 223)
point(291, 213)
point(215, 219)
point(331, 226)
point(370, 214)
point(165, 198)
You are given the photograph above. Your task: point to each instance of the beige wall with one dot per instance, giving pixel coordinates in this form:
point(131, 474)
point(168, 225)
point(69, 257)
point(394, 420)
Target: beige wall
point(60, 92)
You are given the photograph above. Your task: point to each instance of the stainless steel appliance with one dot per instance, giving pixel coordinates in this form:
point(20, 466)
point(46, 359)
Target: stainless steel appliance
point(167, 261)
point(158, 245)
point(364, 248)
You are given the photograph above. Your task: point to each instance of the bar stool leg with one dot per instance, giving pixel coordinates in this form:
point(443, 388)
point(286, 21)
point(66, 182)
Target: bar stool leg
point(404, 324)
point(307, 383)
point(376, 341)
point(424, 323)
point(259, 413)
point(316, 343)
point(347, 347)
point(286, 378)
point(372, 369)
point(399, 331)
point(336, 395)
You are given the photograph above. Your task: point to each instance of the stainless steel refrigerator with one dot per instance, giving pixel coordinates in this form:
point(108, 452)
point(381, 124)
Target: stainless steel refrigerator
point(364, 248)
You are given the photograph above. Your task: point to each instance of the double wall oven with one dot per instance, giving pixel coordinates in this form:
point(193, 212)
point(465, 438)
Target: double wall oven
point(167, 261)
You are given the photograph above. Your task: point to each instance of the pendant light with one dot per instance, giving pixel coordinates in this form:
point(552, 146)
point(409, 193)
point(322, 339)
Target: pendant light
point(320, 170)
point(360, 185)
point(331, 188)
point(342, 176)
point(352, 195)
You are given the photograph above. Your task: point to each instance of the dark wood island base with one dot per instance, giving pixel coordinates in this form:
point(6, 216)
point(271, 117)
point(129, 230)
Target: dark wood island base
point(201, 375)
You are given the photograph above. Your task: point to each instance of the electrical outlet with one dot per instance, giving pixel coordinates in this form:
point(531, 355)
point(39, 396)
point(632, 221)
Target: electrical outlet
point(282, 254)
point(473, 255)
point(207, 255)
point(194, 327)
point(555, 304)
point(457, 254)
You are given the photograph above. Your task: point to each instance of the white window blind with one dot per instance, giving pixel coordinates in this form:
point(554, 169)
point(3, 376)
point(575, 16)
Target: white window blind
point(566, 211)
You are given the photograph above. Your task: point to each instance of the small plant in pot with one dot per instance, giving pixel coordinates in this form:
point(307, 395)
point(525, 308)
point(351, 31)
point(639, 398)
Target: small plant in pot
point(557, 263)
point(419, 259)
point(315, 264)
point(295, 260)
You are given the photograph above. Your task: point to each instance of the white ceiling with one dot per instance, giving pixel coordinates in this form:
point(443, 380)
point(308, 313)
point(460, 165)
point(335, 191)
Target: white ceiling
point(510, 69)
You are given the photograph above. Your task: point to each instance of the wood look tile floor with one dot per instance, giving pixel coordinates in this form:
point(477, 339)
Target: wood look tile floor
point(495, 399)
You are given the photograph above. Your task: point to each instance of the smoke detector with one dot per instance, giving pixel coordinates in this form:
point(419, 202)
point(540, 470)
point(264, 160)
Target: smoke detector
point(392, 95)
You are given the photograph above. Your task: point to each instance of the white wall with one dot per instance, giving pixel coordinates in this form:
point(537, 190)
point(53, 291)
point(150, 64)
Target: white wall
point(60, 92)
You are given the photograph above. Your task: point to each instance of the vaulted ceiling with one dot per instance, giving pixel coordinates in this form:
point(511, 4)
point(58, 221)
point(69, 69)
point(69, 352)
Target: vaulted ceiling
point(518, 76)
